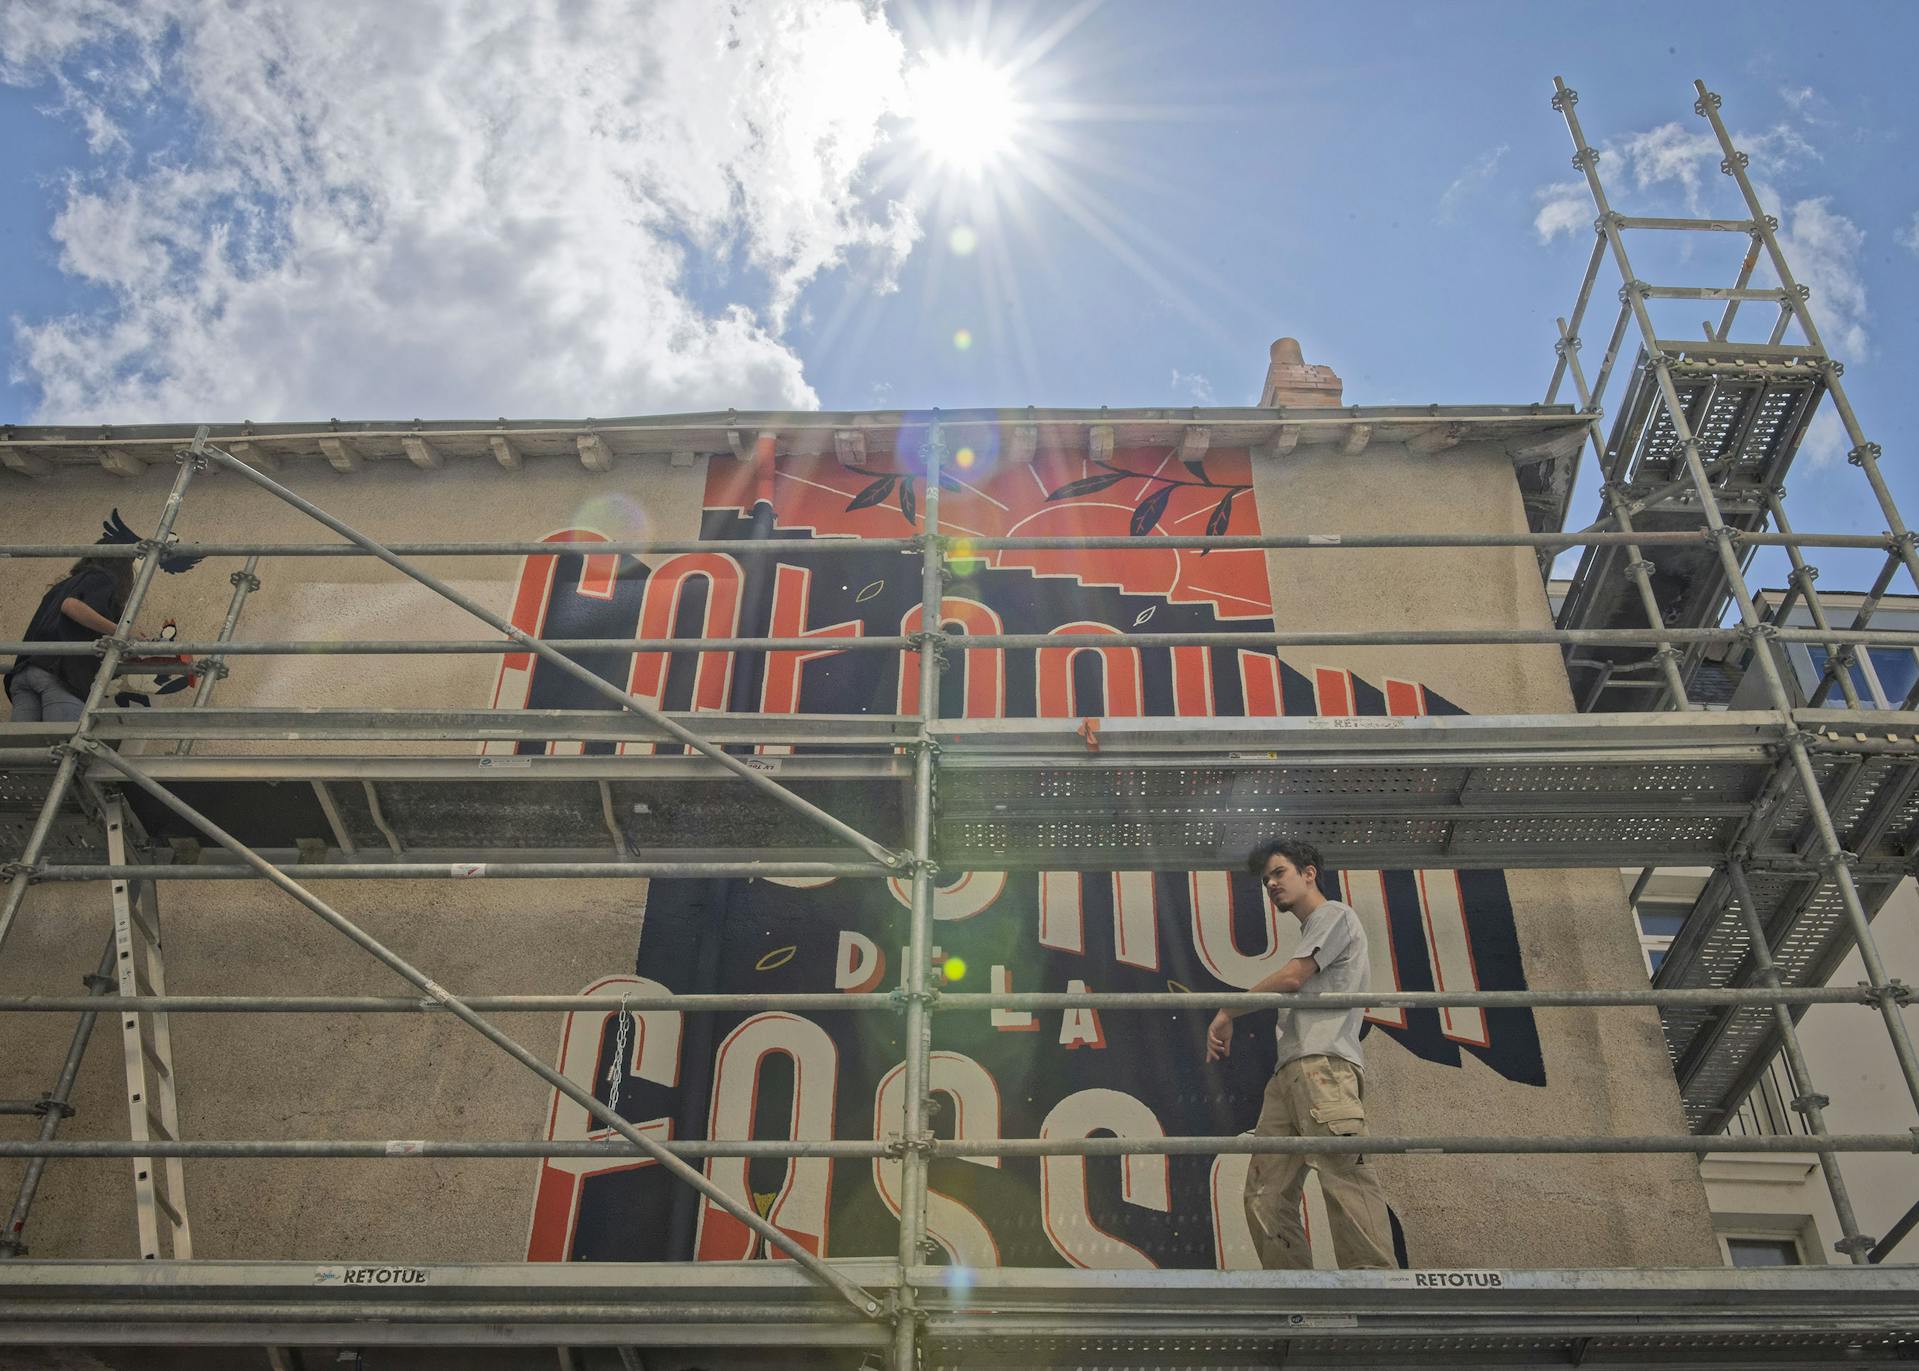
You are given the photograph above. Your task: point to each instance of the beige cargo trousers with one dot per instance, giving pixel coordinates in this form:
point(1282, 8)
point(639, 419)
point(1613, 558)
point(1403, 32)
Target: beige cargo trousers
point(1316, 1097)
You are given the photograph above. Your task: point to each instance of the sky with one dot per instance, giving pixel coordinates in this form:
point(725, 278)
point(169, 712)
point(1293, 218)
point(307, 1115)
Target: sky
point(267, 209)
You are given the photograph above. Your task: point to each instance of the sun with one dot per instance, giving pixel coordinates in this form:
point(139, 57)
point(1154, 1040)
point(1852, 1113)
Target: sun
point(964, 111)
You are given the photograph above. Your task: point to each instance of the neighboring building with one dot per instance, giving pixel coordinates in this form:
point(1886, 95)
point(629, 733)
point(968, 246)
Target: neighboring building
point(1775, 1208)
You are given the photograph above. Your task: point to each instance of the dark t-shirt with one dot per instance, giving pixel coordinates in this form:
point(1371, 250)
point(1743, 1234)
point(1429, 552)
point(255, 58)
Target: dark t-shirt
point(96, 590)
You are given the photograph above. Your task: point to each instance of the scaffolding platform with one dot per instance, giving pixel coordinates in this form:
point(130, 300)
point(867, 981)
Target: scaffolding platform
point(1373, 792)
point(1800, 1317)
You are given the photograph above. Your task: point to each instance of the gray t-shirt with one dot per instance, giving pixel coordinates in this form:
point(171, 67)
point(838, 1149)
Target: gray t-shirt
point(1333, 938)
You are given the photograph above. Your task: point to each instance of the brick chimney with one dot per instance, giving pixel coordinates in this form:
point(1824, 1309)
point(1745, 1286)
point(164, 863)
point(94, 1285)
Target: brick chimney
point(1290, 381)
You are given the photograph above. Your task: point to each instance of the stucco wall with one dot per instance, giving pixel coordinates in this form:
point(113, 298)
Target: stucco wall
point(383, 1077)
point(1606, 1069)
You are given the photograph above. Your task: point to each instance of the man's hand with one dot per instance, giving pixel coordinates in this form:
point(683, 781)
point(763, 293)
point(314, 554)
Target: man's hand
point(1219, 1037)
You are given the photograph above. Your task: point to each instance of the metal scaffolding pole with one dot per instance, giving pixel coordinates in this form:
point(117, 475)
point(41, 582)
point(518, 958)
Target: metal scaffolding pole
point(1810, 1102)
point(58, 1105)
point(1864, 454)
point(527, 642)
point(1838, 659)
point(21, 873)
point(1234, 542)
point(916, 987)
point(853, 1149)
point(1837, 858)
point(1638, 569)
point(1711, 997)
point(1431, 637)
point(244, 582)
point(847, 1290)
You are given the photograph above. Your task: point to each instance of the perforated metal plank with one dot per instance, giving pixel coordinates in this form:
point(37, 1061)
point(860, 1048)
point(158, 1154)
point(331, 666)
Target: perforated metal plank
point(1749, 423)
point(498, 806)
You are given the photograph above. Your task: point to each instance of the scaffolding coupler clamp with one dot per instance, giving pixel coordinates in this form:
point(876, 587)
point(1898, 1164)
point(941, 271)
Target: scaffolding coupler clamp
point(46, 1105)
point(13, 871)
point(1903, 542)
point(244, 578)
point(1738, 159)
point(1802, 576)
point(1564, 100)
point(1586, 157)
point(930, 640)
point(1859, 454)
point(1858, 1242)
point(111, 642)
point(1808, 1101)
point(1566, 345)
point(1753, 633)
point(1901, 993)
point(1832, 861)
point(1836, 367)
point(1642, 565)
point(902, 997)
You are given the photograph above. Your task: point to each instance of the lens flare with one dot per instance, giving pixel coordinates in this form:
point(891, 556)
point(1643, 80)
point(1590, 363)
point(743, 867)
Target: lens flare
point(963, 338)
point(965, 457)
point(953, 968)
point(962, 240)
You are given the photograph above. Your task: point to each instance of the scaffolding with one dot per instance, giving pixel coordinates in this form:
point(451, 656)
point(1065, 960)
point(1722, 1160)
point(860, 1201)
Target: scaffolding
point(1807, 817)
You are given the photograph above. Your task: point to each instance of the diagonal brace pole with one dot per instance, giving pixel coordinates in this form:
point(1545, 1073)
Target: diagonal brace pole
point(850, 1291)
point(672, 727)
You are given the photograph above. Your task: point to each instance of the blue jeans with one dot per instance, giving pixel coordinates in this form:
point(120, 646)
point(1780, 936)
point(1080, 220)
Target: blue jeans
point(40, 696)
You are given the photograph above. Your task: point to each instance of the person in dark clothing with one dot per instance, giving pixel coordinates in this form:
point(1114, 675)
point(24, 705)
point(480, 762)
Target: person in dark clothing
point(81, 606)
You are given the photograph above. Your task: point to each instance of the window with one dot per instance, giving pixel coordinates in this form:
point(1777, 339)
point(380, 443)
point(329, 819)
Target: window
point(1659, 923)
point(1882, 676)
point(1756, 1251)
point(1767, 1110)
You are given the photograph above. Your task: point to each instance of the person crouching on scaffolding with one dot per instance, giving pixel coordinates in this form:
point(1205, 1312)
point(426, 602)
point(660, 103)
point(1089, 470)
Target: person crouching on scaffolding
point(1318, 1088)
point(80, 607)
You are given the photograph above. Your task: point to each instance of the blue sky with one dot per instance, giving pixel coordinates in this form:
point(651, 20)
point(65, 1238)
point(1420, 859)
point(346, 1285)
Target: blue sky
point(384, 215)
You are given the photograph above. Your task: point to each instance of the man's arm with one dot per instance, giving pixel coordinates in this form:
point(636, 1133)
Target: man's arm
point(1290, 977)
point(1284, 981)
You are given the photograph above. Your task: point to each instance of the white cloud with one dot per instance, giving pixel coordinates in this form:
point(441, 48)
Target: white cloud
point(1193, 385)
point(1469, 181)
point(1669, 158)
point(1823, 250)
point(395, 210)
point(1564, 207)
point(1908, 237)
point(1825, 441)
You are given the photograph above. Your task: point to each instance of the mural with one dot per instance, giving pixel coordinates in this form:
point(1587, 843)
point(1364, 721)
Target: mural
point(1058, 1074)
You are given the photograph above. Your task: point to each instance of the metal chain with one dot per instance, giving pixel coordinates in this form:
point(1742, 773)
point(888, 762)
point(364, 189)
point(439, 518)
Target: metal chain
point(616, 1073)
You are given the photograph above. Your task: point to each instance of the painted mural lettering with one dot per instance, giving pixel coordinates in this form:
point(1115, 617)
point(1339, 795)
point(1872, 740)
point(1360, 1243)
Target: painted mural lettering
point(1071, 1073)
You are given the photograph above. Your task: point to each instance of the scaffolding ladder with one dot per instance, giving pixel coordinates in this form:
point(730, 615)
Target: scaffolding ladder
point(153, 1106)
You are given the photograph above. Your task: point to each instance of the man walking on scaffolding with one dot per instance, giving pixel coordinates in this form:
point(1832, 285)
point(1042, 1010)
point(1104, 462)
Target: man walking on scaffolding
point(1318, 1086)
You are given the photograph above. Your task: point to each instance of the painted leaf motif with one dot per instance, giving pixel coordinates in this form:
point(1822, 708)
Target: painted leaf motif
point(1089, 485)
point(1147, 513)
point(872, 495)
point(868, 591)
point(1221, 517)
point(908, 504)
point(1144, 615)
point(1197, 467)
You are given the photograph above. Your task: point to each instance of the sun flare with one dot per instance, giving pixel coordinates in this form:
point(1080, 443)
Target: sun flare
point(964, 111)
